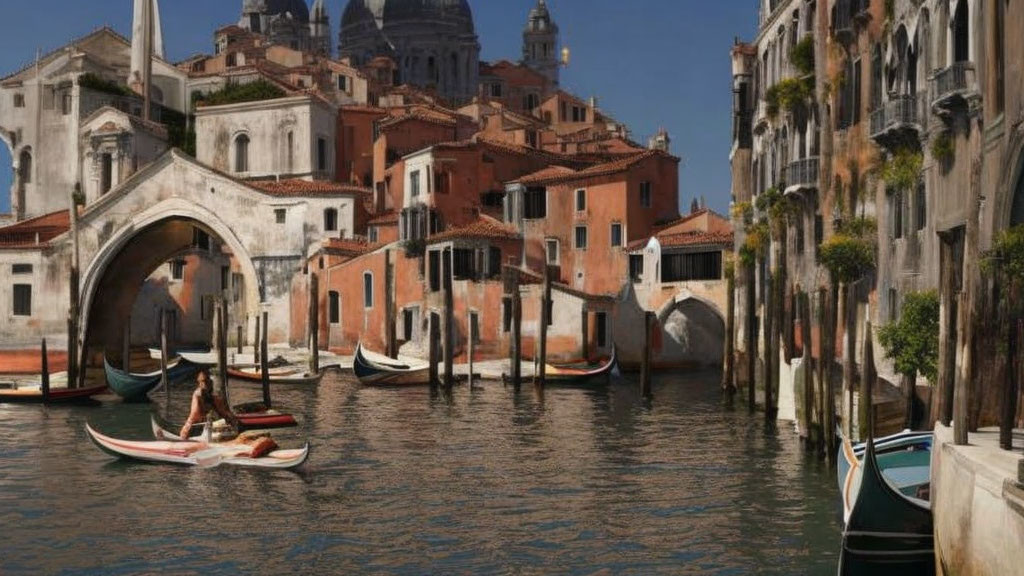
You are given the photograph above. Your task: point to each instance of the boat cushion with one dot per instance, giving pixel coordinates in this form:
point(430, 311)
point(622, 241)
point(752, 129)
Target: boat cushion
point(262, 446)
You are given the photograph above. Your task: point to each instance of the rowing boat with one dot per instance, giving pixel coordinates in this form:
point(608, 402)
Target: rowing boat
point(163, 430)
point(31, 391)
point(198, 356)
point(579, 373)
point(134, 387)
point(378, 370)
point(196, 453)
point(887, 531)
point(905, 458)
point(277, 375)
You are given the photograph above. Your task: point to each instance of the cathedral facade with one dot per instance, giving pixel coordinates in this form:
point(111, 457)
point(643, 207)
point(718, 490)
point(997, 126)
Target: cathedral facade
point(433, 42)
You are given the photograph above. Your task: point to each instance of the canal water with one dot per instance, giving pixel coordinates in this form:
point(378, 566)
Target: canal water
point(405, 482)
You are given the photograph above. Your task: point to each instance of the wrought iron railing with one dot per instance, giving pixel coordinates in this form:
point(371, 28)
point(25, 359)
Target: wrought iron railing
point(903, 110)
point(803, 173)
point(957, 79)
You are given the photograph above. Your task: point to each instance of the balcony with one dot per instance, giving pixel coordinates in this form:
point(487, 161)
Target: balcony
point(900, 120)
point(846, 16)
point(801, 175)
point(954, 88)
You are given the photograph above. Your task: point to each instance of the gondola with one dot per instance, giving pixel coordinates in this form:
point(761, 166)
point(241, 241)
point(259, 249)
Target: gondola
point(197, 453)
point(905, 458)
point(576, 374)
point(30, 391)
point(277, 375)
point(163, 430)
point(886, 532)
point(376, 370)
point(134, 387)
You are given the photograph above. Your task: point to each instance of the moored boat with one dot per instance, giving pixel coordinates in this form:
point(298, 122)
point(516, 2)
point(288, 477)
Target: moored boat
point(904, 458)
point(887, 531)
point(378, 370)
point(135, 387)
point(30, 391)
point(580, 373)
point(285, 375)
point(163, 430)
point(197, 453)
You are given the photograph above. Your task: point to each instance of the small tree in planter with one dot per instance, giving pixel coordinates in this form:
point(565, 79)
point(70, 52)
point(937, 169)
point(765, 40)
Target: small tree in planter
point(912, 343)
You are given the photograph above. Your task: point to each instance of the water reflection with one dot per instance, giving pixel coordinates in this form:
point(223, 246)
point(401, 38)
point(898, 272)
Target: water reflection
point(410, 482)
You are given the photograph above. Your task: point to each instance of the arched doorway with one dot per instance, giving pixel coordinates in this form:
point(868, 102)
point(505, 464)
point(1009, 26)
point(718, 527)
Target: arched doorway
point(693, 334)
point(176, 262)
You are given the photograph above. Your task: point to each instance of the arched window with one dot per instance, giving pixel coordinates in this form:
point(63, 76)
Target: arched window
point(367, 289)
point(25, 166)
point(330, 220)
point(242, 153)
point(961, 33)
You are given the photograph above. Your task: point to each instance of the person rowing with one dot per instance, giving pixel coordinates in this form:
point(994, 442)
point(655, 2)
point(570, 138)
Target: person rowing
point(203, 401)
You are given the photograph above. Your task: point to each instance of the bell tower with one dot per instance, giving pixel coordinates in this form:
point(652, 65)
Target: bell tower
point(320, 29)
point(540, 43)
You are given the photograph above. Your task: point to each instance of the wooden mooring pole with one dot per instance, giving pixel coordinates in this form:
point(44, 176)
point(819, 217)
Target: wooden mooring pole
point(751, 340)
point(803, 302)
point(645, 365)
point(470, 328)
point(729, 359)
point(516, 348)
point(868, 376)
point(545, 320)
point(449, 322)
point(264, 361)
point(257, 341)
point(391, 346)
point(221, 323)
point(44, 383)
point(238, 339)
point(314, 323)
point(432, 351)
point(164, 381)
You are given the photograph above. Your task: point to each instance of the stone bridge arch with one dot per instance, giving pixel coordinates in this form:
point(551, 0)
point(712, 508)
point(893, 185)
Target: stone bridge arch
point(692, 331)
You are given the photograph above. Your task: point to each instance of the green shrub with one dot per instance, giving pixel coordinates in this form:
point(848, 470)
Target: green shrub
point(94, 82)
point(847, 257)
point(236, 93)
point(912, 343)
point(1007, 255)
point(802, 55)
point(902, 169)
point(944, 148)
point(790, 94)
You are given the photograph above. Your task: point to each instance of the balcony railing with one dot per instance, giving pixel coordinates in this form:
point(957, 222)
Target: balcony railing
point(954, 86)
point(898, 116)
point(802, 174)
point(846, 14)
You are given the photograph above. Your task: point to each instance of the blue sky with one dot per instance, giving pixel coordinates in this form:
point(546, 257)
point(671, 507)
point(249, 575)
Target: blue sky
point(650, 63)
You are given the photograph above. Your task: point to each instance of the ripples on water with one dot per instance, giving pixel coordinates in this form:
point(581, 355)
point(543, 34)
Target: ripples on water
point(402, 482)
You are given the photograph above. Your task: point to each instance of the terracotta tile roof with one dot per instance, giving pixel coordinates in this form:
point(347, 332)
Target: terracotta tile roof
point(306, 188)
point(519, 149)
point(545, 174)
point(484, 227)
point(515, 73)
point(417, 115)
point(359, 108)
point(24, 233)
point(348, 246)
point(545, 177)
point(387, 218)
point(689, 240)
point(531, 277)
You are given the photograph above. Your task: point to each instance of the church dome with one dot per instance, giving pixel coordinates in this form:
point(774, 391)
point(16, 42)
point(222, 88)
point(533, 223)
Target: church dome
point(384, 12)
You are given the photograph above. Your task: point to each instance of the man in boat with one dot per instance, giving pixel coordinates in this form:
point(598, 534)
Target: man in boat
point(204, 400)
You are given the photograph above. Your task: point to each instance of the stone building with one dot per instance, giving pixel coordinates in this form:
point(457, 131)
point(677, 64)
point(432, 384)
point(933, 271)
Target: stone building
point(922, 88)
point(540, 43)
point(288, 23)
point(433, 42)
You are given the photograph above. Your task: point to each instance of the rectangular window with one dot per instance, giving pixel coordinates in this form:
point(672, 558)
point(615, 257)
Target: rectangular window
point(495, 90)
point(225, 277)
point(321, 154)
point(552, 251)
point(581, 200)
point(334, 307)
point(330, 220)
point(367, 290)
point(342, 83)
point(22, 299)
point(800, 237)
point(645, 194)
point(414, 183)
point(280, 214)
point(106, 173)
point(177, 269)
point(616, 235)
point(65, 103)
point(691, 266)
point(236, 286)
point(819, 230)
point(581, 238)
point(856, 90)
point(563, 114)
point(897, 215)
point(506, 315)
point(602, 329)
point(373, 234)
point(407, 324)
point(636, 267)
point(21, 269)
point(463, 262)
point(494, 262)
point(474, 327)
point(254, 23)
point(922, 207)
point(894, 305)
point(19, 100)
point(435, 270)
point(535, 203)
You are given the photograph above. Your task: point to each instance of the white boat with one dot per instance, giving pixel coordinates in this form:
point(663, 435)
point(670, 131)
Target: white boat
point(378, 370)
